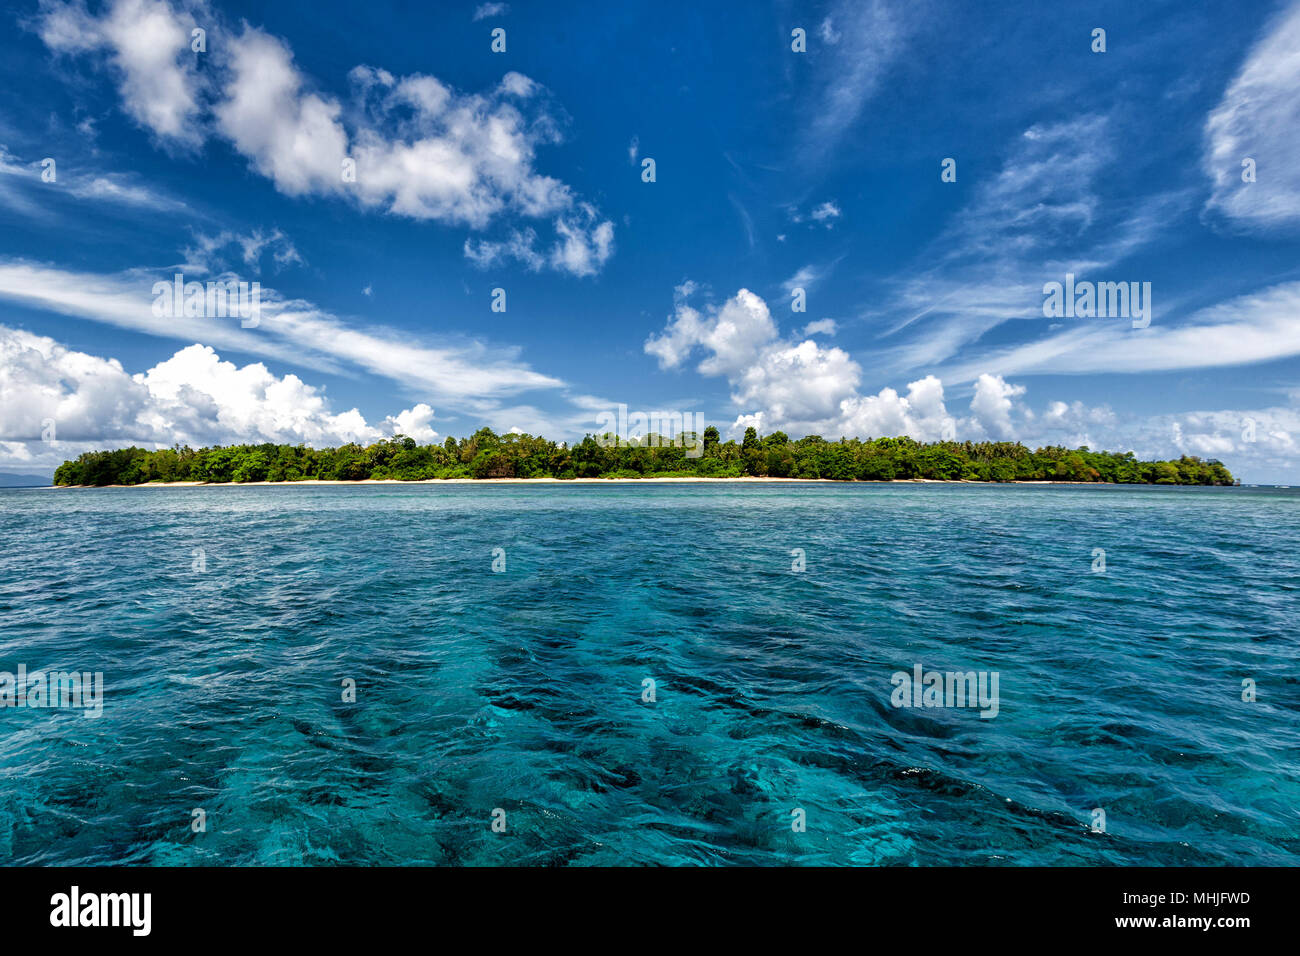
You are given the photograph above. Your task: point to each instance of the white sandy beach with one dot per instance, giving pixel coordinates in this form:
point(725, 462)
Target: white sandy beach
point(748, 479)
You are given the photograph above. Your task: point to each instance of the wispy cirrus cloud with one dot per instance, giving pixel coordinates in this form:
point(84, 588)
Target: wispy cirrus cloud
point(22, 187)
point(1258, 327)
point(212, 252)
point(1042, 215)
point(465, 375)
point(859, 41)
point(1259, 119)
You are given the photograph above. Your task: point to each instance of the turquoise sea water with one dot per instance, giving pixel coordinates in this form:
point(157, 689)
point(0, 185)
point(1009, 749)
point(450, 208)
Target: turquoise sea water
point(522, 689)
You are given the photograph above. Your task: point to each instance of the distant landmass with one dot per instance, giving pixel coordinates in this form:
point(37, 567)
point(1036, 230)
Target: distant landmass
point(10, 480)
point(486, 454)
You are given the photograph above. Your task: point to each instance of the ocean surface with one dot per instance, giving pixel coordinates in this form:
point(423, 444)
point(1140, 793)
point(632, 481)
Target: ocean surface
point(228, 623)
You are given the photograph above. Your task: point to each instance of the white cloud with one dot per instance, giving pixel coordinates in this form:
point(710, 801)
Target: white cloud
point(797, 384)
point(850, 68)
point(207, 254)
point(992, 405)
point(821, 327)
point(584, 245)
point(421, 149)
point(793, 385)
point(148, 42)
point(1040, 217)
point(121, 189)
point(197, 398)
point(733, 336)
point(805, 387)
point(414, 423)
point(193, 398)
point(516, 84)
point(1259, 118)
point(125, 300)
point(486, 10)
point(802, 388)
point(920, 414)
point(825, 212)
point(293, 137)
point(805, 279)
point(520, 246)
point(745, 422)
point(463, 375)
point(585, 242)
point(1257, 445)
point(78, 183)
point(1259, 327)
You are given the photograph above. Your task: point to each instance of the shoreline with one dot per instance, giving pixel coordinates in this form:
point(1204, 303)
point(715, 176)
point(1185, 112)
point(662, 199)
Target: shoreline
point(747, 479)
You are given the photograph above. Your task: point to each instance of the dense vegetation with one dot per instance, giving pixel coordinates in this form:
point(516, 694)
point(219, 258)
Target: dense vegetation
point(488, 455)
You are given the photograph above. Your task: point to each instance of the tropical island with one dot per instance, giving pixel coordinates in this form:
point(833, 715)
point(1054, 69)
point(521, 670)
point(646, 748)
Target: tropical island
point(487, 455)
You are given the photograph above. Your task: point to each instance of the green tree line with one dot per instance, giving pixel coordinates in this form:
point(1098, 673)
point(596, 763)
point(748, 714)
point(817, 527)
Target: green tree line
point(486, 454)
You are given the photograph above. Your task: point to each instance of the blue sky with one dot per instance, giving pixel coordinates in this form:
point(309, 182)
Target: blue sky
point(774, 170)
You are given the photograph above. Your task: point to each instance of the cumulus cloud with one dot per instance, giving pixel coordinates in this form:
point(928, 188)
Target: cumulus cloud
point(732, 336)
point(290, 135)
point(921, 413)
point(803, 387)
point(585, 242)
point(992, 405)
point(1258, 445)
point(148, 44)
point(194, 398)
point(798, 383)
point(414, 423)
point(466, 374)
point(417, 148)
point(793, 385)
point(1259, 118)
